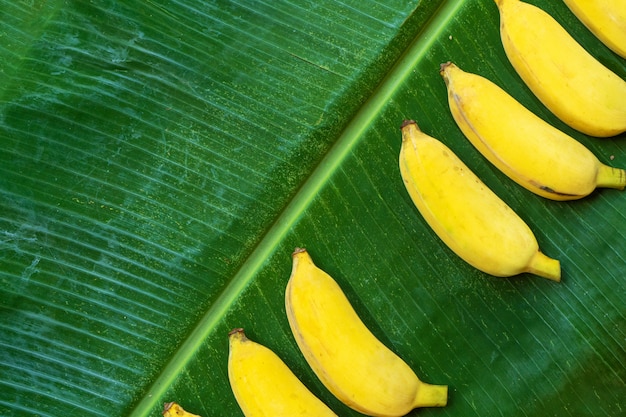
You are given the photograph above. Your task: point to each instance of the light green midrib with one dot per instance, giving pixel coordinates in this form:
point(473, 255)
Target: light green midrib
point(347, 141)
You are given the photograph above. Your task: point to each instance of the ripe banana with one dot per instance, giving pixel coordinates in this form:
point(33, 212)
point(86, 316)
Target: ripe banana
point(528, 150)
point(604, 18)
point(174, 410)
point(470, 218)
point(264, 386)
point(568, 80)
point(349, 360)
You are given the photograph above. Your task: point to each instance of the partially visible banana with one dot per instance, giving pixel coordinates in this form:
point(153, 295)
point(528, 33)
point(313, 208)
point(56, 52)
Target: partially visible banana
point(528, 150)
point(568, 80)
point(172, 409)
point(470, 218)
point(349, 360)
point(604, 18)
point(264, 386)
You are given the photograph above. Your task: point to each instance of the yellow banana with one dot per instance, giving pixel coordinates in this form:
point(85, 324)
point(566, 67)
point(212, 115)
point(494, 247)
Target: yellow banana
point(528, 150)
point(568, 80)
point(349, 360)
point(172, 409)
point(468, 217)
point(604, 18)
point(264, 386)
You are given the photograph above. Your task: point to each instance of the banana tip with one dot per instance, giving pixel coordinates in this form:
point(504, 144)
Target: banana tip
point(167, 406)
point(407, 122)
point(297, 251)
point(545, 267)
point(237, 330)
point(430, 395)
point(443, 66)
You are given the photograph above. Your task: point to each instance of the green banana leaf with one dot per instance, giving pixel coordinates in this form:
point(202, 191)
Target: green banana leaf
point(160, 160)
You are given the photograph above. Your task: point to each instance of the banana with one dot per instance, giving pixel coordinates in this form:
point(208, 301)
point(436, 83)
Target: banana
point(606, 19)
point(349, 360)
point(468, 217)
point(528, 150)
point(568, 80)
point(172, 409)
point(264, 386)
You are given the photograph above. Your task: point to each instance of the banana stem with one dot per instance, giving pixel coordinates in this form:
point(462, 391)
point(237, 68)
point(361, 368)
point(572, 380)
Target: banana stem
point(431, 395)
point(609, 177)
point(545, 267)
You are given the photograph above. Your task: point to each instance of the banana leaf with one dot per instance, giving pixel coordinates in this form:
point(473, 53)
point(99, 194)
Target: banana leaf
point(160, 160)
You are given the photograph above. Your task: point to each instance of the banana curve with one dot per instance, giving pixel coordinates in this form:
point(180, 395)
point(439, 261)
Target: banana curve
point(526, 181)
point(264, 386)
point(565, 77)
point(347, 358)
point(468, 217)
point(605, 19)
point(523, 146)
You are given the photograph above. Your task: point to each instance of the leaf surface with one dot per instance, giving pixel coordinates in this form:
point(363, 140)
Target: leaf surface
point(161, 160)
